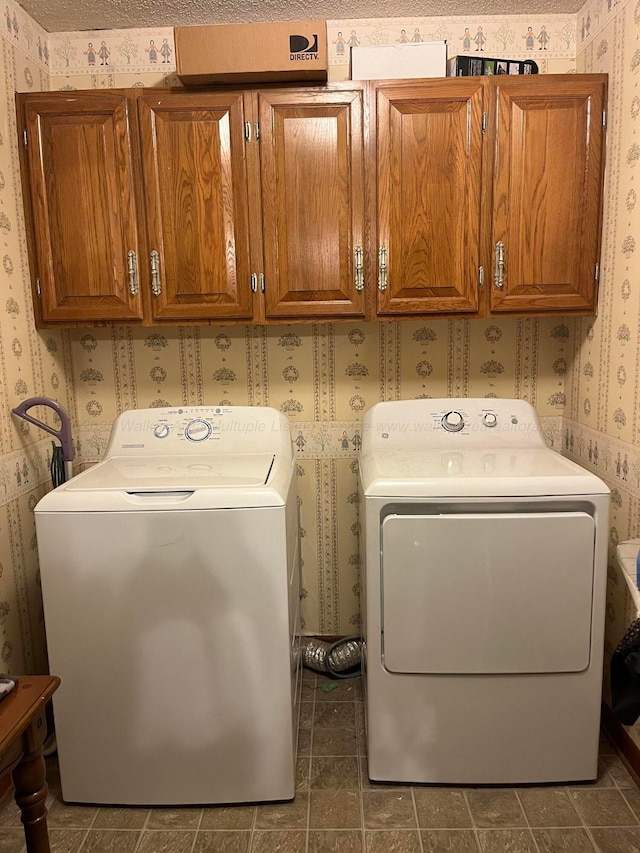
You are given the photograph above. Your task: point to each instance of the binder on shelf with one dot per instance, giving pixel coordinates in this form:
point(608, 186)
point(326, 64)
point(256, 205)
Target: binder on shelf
point(477, 66)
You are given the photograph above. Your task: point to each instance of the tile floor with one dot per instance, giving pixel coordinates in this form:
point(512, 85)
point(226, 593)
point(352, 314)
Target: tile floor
point(337, 810)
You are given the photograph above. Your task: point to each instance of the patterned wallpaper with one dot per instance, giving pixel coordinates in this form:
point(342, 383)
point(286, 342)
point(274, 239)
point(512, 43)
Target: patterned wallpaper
point(549, 41)
point(602, 418)
point(146, 57)
point(29, 364)
point(322, 376)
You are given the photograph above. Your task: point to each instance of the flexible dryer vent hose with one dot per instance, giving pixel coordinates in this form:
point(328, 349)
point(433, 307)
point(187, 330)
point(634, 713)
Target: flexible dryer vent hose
point(340, 659)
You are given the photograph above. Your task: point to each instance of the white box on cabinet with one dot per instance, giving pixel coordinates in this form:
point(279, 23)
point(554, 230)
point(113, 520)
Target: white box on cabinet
point(397, 61)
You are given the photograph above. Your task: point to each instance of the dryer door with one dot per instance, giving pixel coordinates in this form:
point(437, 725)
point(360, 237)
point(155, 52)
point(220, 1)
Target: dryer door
point(487, 593)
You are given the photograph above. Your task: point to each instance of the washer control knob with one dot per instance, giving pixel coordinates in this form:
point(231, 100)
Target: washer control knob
point(197, 430)
point(452, 421)
point(489, 419)
point(161, 430)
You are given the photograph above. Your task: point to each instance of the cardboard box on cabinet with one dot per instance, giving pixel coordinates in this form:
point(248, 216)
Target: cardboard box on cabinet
point(398, 61)
point(252, 53)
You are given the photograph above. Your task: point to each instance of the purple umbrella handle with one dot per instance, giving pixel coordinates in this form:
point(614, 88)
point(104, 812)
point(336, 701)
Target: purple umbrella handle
point(63, 434)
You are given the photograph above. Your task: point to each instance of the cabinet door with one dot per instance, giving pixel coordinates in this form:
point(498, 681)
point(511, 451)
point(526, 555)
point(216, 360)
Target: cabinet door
point(548, 162)
point(429, 160)
point(311, 155)
point(196, 201)
point(79, 197)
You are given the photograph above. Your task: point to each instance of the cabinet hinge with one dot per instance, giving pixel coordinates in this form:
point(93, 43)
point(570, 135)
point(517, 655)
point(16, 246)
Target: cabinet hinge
point(596, 274)
point(604, 118)
point(25, 138)
point(247, 131)
point(484, 122)
point(480, 276)
point(38, 288)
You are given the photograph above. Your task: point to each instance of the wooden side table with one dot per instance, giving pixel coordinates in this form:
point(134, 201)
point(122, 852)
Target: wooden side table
point(23, 730)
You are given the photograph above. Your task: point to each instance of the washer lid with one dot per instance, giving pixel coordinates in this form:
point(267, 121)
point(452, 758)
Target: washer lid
point(159, 473)
point(493, 472)
point(176, 483)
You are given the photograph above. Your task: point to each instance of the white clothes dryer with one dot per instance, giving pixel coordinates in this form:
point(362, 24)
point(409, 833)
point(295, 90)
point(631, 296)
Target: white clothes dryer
point(170, 581)
point(484, 595)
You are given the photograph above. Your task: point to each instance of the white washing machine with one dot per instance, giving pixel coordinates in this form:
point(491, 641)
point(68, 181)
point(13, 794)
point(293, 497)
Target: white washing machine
point(485, 574)
point(170, 580)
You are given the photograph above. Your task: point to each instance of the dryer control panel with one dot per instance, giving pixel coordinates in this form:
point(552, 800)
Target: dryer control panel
point(449, 423)
point(454, 421)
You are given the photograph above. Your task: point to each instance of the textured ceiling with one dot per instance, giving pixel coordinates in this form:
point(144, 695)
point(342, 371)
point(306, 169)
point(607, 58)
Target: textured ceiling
point(76, 15)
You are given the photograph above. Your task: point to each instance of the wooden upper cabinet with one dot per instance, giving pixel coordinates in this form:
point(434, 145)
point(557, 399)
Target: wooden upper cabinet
point(429, 165)
point(80, 201)
point(547, 192)
point(196, 205)
point(391, 199)
point(312, 178)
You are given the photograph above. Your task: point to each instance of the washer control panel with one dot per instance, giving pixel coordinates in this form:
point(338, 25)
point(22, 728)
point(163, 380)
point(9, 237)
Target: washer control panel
point(188, 424)
point(219, 429)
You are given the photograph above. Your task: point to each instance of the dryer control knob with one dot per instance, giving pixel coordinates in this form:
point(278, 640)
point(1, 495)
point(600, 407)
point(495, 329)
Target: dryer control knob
point(197, 430)
point(452, 421)
point(489, 419)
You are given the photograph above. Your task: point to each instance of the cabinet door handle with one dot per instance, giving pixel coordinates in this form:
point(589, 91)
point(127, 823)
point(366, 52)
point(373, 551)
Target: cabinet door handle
point(156, 286)
point(382, 269)
point(498, 279)
point(132, 266)
point(359, 255)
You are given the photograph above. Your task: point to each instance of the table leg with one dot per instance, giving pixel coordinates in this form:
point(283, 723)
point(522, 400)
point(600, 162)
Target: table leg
point(29, 778)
